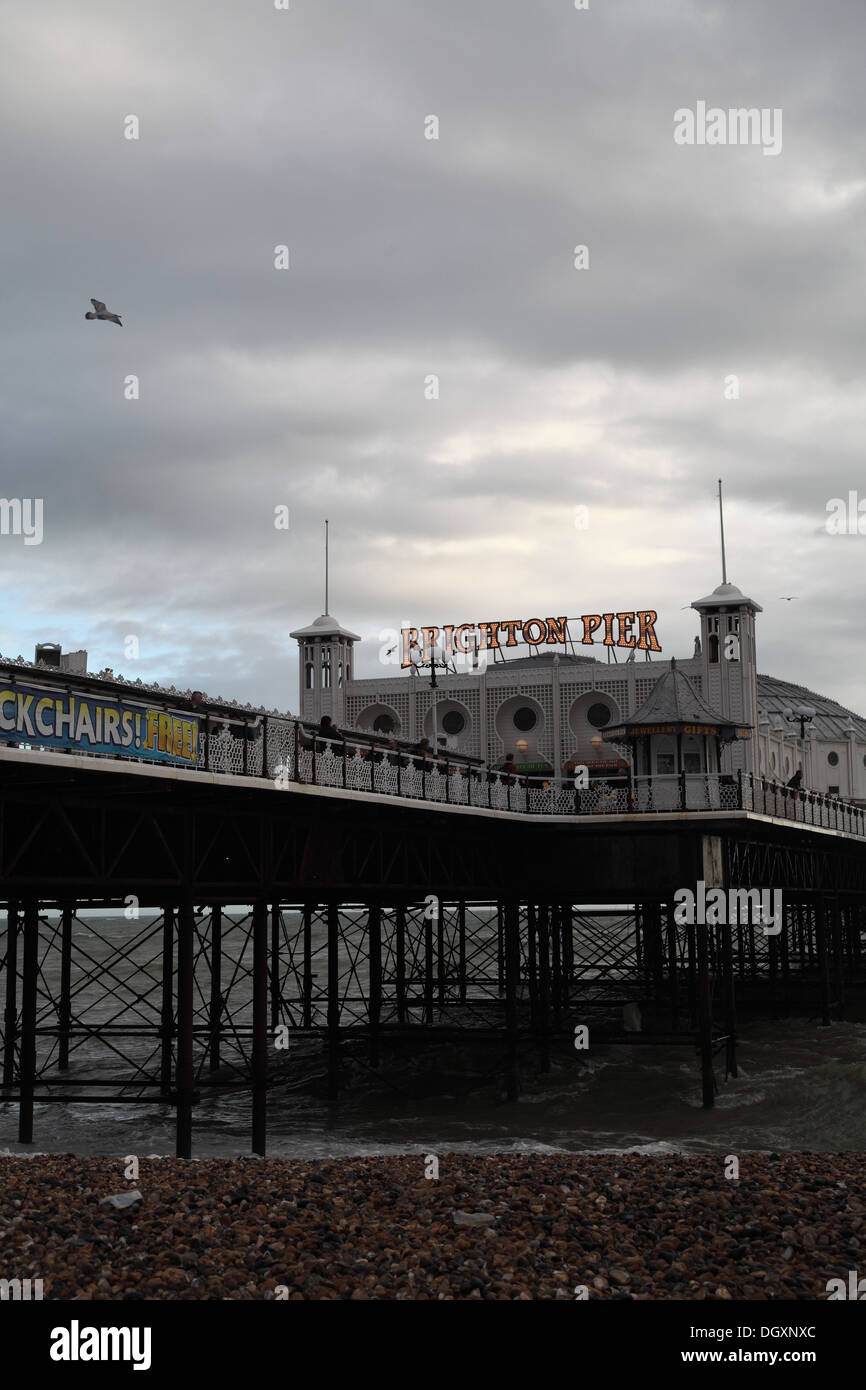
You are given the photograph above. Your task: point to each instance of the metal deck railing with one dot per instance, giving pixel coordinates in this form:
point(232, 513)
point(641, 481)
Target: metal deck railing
point(289, 751)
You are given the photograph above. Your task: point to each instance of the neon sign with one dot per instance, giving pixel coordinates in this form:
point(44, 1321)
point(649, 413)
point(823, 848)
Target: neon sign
point(465, 638)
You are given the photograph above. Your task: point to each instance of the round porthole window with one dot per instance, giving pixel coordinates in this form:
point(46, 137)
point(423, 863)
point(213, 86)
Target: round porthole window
point(833, 759)
point(598, 716)
point(525, 718)
point(454, 722)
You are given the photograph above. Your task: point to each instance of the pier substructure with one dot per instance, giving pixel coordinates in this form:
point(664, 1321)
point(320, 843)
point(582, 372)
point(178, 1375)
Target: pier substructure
point(250, 932)
point(178, 1003)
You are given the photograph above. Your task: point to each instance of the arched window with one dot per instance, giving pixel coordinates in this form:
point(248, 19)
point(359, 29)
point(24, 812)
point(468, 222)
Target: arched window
point(326, 670)
point(308, 675)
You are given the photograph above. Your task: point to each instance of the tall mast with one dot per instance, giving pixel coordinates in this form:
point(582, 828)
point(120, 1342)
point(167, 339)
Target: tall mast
point(722, 529)
point(326, 567)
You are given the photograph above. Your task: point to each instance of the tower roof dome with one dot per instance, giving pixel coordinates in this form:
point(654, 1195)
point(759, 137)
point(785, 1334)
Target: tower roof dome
point(727, 596)
point(325, 626)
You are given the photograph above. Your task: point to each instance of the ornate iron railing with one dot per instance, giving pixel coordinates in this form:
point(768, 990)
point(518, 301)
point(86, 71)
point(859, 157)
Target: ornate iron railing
point(296, 752)
point(289, 751)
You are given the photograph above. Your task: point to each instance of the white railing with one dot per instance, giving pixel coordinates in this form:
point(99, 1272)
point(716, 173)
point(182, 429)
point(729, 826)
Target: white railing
point(288, 751)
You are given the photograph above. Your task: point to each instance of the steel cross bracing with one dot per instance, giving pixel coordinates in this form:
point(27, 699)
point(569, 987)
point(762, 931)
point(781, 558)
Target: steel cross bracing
point(181, 1002)
point(364, 925)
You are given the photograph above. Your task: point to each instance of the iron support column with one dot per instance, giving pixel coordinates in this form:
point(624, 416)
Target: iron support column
point(10, 1014)
point(705, 1019)
point(65, 1010)
point(216, 994)
point(374, 945)
point(185, 1004)
point(333, 1002)
point(28, 1022)
point(511, 930)
point(260, 1026)
point(167, 1013)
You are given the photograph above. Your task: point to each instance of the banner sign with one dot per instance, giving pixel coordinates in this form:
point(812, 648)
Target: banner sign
point(91, 724)
point(489, 636)
point(622, 731)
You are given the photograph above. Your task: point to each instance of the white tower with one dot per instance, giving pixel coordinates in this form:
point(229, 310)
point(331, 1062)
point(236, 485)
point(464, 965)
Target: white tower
point(729, 665)
point(324, 667)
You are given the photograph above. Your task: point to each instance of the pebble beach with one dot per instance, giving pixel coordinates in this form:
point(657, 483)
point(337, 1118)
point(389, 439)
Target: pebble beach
point(524, 1226)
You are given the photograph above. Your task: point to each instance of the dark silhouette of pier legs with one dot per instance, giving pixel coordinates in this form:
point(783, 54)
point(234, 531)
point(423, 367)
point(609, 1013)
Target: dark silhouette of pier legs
point(10, 1012)
point(216, 996)
point(428, 966)
point(374, 958)
point(400, 961)
point(567, 920)
point(28, 1021)
point(167, 1023)
point(729, 1001)
point(823, 961)
point(308, 966)
point(511, 944)
point(525, 972)
point(275, 965)
point(532, 966)
point(556, 965)
point(461, 952)
point(543, 934)
point(838, 962)
point(672, 966)
point(260, 1027)
point(65, 1009)
point(185, 992)
point(334, 1003)
point(705, 1020)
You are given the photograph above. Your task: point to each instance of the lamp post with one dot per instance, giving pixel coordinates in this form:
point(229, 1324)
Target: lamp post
point(802, 715)
point(431, 665)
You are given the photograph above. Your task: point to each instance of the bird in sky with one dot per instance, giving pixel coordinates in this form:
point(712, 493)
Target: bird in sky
point(102, 313)
point(787, 598)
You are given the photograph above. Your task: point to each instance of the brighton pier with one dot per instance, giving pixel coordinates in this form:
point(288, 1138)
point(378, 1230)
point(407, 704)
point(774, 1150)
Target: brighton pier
point(467, 639)
point(361, 893)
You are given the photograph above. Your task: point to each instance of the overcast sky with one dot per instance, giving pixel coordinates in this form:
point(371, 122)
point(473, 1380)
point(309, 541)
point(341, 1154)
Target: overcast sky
point(602, 387)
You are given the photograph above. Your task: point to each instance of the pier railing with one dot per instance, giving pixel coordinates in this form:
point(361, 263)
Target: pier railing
point(290, 751)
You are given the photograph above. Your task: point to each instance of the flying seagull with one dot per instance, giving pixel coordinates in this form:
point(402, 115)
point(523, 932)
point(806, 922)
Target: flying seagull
point(788, 598)
point(102, 313)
